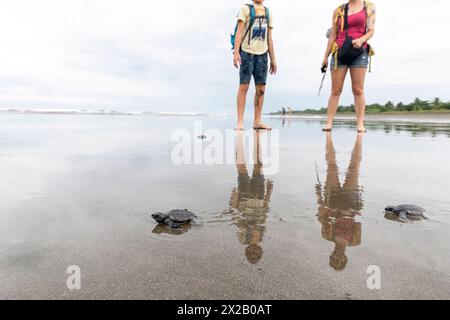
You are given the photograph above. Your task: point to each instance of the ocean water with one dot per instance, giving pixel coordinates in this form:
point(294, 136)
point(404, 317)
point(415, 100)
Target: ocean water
point(79, 190)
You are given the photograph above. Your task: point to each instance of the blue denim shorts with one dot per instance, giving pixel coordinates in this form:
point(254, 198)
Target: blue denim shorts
point(253, 65)
point(361, 62)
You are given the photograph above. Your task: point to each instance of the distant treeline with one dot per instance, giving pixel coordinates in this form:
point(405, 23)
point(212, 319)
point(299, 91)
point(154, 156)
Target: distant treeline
point(417, 106)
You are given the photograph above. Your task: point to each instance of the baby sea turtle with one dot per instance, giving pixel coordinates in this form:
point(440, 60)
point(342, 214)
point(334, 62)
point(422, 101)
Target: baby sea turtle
point(175, 218)
point(405, 213)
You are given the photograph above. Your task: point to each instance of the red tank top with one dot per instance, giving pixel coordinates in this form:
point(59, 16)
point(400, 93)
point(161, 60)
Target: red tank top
point(357, 24)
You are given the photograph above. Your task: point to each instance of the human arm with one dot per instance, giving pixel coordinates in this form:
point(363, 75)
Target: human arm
point(238, 43)
point(358, 43)
point(331, 39)
point(273, 61)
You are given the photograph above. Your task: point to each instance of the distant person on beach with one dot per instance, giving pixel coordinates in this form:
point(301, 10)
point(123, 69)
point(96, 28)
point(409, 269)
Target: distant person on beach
point(252, 49)
point(353, 25)
point(283, 112)
point(250, 200)
point(340, 204)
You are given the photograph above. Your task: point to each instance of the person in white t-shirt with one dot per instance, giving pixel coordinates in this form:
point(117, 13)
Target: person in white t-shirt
point(254, 46)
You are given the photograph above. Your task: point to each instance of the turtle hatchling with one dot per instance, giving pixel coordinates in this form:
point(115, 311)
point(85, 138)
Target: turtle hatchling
point(406, 212)
point(175, 218)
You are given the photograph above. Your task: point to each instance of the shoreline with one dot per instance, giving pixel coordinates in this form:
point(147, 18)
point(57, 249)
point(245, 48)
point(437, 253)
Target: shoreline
point(429, 117)
point(446, 112)
point(424, 118)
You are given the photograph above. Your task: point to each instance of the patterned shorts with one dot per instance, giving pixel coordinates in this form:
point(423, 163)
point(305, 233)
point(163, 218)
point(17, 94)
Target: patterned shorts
point(253, 65)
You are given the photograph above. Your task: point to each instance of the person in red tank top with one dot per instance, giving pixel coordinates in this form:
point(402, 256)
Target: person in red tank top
point(356, 27)
point(361, 28)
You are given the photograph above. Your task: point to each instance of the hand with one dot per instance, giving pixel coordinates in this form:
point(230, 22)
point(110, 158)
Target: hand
point(358, 43)
point(273, 67)
point(237, 60)
point(325, 63)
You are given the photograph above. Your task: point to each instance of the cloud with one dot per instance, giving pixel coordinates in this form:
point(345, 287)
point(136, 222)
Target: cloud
point(147, 55)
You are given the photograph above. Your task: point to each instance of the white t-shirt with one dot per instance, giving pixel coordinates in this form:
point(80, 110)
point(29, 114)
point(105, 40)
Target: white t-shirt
point(259, 31)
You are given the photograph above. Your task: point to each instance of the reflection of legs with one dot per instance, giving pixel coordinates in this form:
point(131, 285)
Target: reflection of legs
point(242, 96)
point(257, 147)
point(358, 76)
point(256, 227)
point(337, 79)
point(240, 153)
point(241, 169)
point(332, 181)
point(351, 179)
point(257, 165)
point(259, 102)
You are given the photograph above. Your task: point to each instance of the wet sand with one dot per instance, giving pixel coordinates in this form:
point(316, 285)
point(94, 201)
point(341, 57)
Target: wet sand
point(80, 190)
point(425, 117)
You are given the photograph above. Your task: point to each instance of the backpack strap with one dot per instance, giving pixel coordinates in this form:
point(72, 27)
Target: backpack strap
point(267, 16)
point(340, 13)
point(346, 27)
point(368, 6)
point(252, 21)
point(369, 12)
point(252, 13)
point(268, 23)
point(340, 17)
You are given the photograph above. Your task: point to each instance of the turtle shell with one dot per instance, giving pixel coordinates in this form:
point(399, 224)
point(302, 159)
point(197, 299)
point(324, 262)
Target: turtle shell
point(180, 216)
point(412, 210)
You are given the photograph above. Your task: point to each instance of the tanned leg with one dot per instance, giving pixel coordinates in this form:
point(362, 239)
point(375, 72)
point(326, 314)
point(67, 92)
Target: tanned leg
point(337, 84)
point(358, 76)
point(259, 102)
point(241, 98)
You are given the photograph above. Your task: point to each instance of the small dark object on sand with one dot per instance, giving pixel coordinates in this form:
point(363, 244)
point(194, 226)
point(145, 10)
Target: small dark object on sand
point(404, 213)
point(202, 137)
point(175, 218)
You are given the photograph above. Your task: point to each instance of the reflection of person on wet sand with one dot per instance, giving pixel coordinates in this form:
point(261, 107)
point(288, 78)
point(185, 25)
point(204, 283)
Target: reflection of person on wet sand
point(339, 204)
point(250, 200)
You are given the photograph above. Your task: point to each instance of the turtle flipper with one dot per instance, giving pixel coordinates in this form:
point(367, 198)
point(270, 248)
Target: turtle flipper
point(172, 224)
point(403, 217)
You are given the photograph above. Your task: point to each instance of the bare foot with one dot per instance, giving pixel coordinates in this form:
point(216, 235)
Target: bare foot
point(328, 127)
point(239, 127)
point(362, 130)
point(261, 126)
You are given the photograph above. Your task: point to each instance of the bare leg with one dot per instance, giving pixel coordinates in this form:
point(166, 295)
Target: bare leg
point(358, 76)
point(259, 102)
point(240, 166)
point(242, 96)
point(337, 84)
point(332, 183)
point(257, 156)
point(352, 176)
point(240, 152)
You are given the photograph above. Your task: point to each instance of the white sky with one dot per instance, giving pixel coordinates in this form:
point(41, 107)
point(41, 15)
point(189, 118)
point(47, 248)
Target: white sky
point(175, 55)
